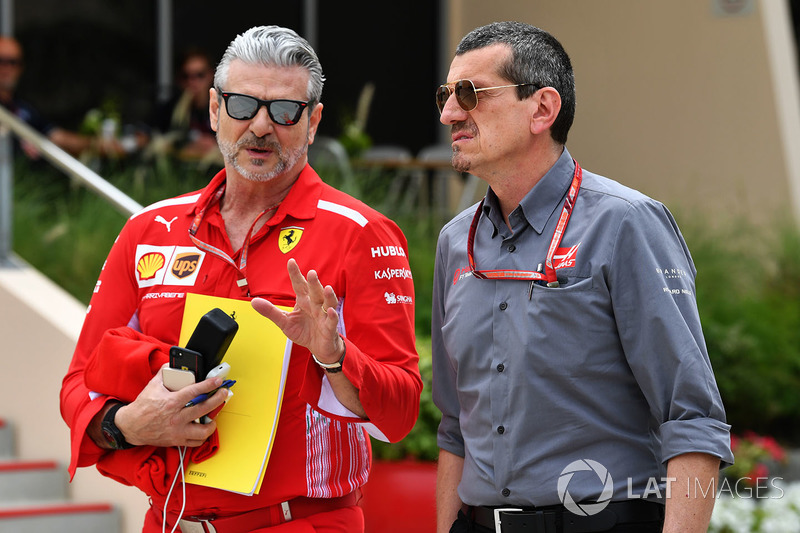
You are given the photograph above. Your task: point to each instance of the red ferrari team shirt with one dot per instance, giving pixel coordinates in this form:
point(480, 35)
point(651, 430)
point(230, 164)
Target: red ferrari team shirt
point(319, 450)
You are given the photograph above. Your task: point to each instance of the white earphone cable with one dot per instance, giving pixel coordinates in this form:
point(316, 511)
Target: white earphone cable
point(181, 455)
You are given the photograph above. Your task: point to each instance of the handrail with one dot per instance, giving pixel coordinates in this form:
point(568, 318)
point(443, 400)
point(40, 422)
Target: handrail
point(74, 168)
point(60, 159)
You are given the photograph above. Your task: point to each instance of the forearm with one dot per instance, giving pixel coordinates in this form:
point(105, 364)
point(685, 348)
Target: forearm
point(69, 141)
point(388, 390)
point(94, 429)
point(343, 388)
point(691, 500)
point(374, 387)
point(448, 477)
point(78, 411)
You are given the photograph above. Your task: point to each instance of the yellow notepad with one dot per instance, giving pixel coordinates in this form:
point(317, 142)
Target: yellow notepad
point(259, 359)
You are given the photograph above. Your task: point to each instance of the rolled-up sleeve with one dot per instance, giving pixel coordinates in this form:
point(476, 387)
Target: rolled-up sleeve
point(652, 285)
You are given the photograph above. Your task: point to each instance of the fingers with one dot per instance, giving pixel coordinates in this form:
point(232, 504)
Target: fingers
point(299, 282)
point(159, 417)
point(329, 298)
point(203, 406)
point(193, 434)
point(268, 310)
point(197, 434)
point(313, 321)
point(309, 289)
point(316, 291)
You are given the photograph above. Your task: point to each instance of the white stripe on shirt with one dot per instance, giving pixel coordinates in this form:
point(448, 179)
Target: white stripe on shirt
point(183, 200)
point(352, 214)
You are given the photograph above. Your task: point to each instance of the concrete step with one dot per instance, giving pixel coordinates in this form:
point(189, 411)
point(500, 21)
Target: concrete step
point(24, 481)
point(8, 446)
point(60, 517)
point(34, 496)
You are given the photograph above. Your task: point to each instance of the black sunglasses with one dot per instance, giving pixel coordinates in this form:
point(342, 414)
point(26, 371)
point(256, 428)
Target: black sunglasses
point(466, 93)
point(245, 107)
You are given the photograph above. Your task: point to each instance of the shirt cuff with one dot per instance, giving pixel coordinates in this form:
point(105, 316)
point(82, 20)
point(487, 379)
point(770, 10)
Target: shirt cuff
point(698, 435)
point(329, 403)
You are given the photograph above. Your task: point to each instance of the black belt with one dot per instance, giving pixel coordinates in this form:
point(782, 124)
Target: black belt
point(558, 519)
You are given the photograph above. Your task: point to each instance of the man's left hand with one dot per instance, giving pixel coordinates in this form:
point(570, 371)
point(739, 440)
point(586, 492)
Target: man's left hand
point(313, 321)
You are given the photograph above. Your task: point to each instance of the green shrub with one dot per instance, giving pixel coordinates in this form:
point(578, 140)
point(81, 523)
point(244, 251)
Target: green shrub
point(421, 441)
point(66, 231)
point(748, 282)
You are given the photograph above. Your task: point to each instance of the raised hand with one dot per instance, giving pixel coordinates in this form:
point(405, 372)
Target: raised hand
point(313, 321)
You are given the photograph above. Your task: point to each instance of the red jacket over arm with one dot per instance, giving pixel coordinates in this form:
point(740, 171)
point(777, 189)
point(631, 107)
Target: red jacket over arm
point(319, 450)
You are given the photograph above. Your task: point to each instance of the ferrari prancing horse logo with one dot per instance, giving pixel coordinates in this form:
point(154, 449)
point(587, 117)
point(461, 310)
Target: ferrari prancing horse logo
point(289, 237)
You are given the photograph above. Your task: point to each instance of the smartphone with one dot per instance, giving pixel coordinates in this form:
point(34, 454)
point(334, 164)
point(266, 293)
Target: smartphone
point(175, 379)
point(186, 359)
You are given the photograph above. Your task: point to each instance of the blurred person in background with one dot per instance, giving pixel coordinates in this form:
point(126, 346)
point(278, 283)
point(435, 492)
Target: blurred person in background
point(183, 121)
point(11, 68)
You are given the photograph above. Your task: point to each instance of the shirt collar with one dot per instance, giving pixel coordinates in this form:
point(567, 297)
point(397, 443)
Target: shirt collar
point(300, 203)
point(542, 200)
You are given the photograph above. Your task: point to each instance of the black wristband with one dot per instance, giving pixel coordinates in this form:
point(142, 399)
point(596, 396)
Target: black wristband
point(111, 432)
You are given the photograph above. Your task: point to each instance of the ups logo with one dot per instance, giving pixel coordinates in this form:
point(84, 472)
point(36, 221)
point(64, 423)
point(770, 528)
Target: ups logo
point(185, 264)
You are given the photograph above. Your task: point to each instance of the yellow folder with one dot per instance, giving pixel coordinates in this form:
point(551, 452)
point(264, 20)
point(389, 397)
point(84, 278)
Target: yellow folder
point(259, 360)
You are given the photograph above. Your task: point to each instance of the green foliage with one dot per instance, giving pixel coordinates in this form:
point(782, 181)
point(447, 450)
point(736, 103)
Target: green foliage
point(421, 441)
point(755, 454)
point(66, 231)
point(354, 140)
point(748, 283)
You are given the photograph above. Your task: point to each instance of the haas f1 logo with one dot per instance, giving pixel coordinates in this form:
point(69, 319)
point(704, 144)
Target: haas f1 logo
point(565, 257)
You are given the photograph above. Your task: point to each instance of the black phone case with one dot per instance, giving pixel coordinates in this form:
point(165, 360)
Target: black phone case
point(211, 338)
point(186, 359)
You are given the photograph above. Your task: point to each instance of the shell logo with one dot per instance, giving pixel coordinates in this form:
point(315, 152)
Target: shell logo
point(149, 264)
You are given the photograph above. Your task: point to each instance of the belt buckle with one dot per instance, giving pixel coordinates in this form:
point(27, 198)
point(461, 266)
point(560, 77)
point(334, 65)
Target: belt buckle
point(497, 525)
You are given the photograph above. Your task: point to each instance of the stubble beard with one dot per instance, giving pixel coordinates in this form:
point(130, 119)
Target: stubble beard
point(233, 154)
point(460, 162)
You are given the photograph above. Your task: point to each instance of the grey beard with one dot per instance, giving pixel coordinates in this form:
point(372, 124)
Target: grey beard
point(286, 159)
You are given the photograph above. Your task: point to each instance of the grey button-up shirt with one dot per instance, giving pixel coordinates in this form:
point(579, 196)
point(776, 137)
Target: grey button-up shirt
point(610, 367)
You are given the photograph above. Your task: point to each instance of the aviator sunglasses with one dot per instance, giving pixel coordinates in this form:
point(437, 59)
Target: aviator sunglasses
point(245, 107)
point(466, 93)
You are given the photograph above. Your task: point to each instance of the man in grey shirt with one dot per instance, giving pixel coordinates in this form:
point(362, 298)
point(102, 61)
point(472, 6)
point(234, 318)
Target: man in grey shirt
point(568, 359)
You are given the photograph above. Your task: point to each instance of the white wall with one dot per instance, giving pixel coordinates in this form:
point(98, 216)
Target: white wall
point(39, 326)
point(692, 106)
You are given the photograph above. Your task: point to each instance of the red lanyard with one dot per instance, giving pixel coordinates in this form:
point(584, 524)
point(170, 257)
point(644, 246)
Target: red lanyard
point(549, 274)
point(242, 266)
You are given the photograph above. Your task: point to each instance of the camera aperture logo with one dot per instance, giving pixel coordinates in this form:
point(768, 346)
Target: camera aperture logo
point(585, 509)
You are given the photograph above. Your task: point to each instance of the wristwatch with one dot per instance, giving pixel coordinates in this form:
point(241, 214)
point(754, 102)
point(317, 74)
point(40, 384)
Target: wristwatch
point(111, 432)
point(332, 368)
